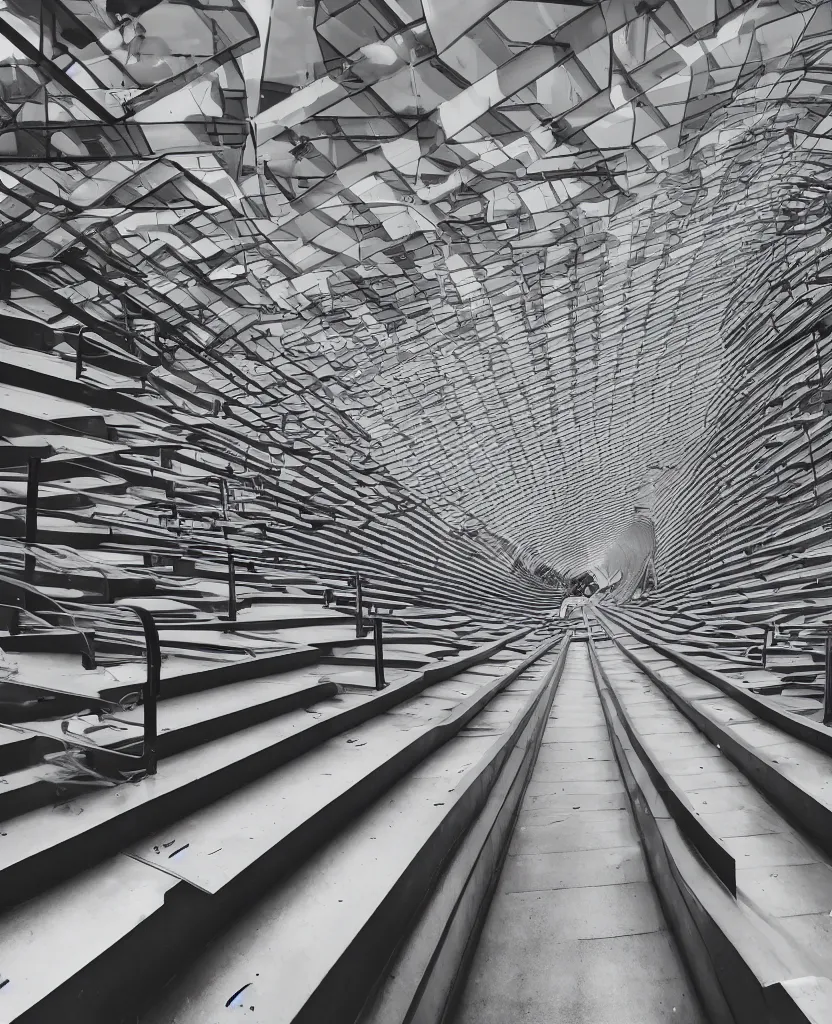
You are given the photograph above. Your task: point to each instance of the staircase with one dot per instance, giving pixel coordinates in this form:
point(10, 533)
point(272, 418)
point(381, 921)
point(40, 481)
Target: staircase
point(292, 814)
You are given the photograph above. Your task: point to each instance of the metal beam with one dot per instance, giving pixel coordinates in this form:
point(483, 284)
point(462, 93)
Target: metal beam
point(55, 73)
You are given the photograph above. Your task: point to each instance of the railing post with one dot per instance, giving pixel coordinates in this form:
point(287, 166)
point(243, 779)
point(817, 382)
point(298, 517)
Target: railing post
point(152, 689)
point(79, 356)
point(378, 644)
point(31, 536)
point(232, 588)
point(827, 682)
point(224, 498)
point(765, 645)
point(32, 501)
point(359, 613)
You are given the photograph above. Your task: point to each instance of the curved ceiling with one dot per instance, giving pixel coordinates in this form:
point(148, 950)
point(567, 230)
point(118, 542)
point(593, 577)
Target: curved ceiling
point(495, 247)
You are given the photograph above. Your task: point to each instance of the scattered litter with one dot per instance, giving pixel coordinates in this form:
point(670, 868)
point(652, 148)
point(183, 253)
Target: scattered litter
point(238, 993)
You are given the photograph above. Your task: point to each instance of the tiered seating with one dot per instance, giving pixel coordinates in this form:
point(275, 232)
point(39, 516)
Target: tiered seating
point(731, 796)
point(793, 674)
point(364, 793)
point(267, 711)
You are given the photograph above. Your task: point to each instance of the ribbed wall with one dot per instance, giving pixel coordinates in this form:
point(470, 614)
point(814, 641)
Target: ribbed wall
point(743, 521)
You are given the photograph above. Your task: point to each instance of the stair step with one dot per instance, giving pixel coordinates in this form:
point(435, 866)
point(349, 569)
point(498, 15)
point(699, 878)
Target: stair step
point(17, 749)
point(236, 848)
point(185, 722)
point(43, 847)
point(38, 678)
point(312, 949)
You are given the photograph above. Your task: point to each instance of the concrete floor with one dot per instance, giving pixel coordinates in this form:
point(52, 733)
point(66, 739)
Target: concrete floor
point(575, 933)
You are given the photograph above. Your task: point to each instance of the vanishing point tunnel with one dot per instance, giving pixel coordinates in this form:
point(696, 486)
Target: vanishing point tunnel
point(415, 512)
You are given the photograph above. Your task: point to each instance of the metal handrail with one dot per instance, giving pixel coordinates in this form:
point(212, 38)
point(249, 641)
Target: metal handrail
point(355, 581)
point(152, 685)
point(361, 631)
point(105, 578)
point(152, 691)
point(825, 633)
point(87, 657)
point(232, 586)
point(151, 634)
point(816, 632)
point(378, 647)
point(787, 627)
point(46, 606)
point(79, 354)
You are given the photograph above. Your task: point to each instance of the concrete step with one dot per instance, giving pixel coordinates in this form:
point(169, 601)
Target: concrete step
point(46, 689)
point(39, 850)
point(183, 722)
point(423, 979)
point(793, 774)
point(235, 849)
point(814, 734)
point(752, 955)
point(17, 749)
point(323, 939)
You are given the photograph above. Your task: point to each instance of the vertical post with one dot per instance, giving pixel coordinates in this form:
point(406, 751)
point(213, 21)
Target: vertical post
point(232, 588)
point(359, 623)
point(31, 536)
point(811, 460)
point(827, 683)
point(32, 501)
point(152, 689)
point(378, 644)
point(232, 581)
point(765, 645)
point(79, 356)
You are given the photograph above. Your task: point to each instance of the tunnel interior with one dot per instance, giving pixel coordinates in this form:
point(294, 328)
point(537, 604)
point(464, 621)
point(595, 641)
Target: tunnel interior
point(415, 511)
